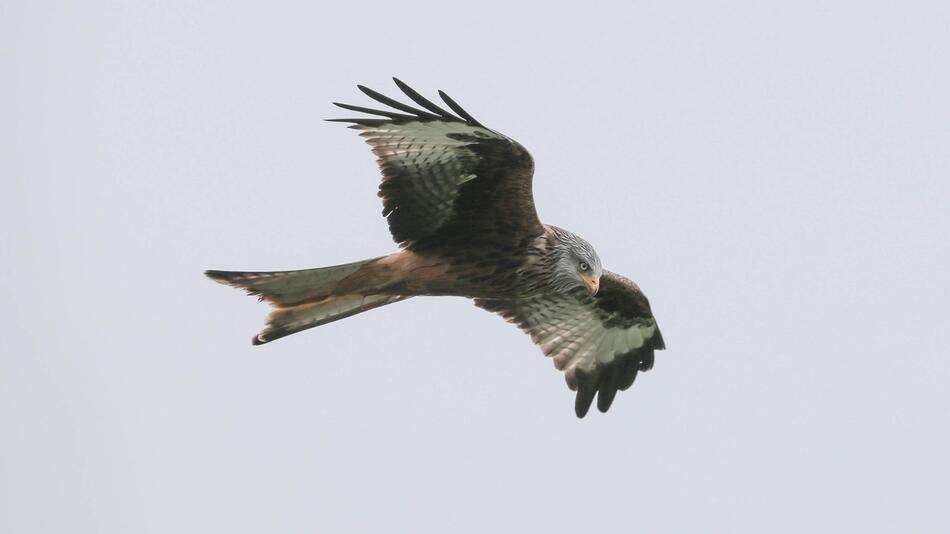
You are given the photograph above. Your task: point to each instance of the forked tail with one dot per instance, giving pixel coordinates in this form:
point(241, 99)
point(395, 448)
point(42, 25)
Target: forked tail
point(306, 298)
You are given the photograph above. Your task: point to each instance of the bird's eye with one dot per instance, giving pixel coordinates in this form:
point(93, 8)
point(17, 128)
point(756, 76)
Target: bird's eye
point(583, 266)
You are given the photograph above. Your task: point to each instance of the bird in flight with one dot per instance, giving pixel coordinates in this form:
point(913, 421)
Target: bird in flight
point(457, 197)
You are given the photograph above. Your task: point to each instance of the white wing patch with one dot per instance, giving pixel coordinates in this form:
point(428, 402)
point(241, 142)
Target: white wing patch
point(591, 344)
point(575, 337)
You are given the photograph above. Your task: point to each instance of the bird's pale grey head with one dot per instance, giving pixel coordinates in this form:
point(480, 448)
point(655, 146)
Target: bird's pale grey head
point(577, 263)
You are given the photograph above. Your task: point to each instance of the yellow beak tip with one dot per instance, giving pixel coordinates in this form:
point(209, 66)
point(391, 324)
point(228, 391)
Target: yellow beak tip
point(593, 285)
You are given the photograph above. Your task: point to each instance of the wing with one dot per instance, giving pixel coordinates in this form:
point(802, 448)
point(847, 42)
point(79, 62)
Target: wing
point(600, 342)
point(447, 179)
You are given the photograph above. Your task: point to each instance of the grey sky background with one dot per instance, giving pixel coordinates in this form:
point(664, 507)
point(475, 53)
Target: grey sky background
point(773, 175)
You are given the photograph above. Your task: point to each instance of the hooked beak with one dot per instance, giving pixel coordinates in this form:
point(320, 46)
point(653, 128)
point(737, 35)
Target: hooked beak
point(593, 284)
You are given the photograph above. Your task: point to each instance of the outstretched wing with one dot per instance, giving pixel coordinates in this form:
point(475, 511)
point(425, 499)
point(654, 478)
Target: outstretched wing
point(600, 342)
point(447, 180)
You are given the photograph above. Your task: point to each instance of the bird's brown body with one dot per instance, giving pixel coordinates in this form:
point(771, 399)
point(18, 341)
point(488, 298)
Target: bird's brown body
point(462, 273)
point(458, 200)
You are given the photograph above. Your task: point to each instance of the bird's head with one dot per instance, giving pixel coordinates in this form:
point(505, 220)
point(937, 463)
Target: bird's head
point(577, 263)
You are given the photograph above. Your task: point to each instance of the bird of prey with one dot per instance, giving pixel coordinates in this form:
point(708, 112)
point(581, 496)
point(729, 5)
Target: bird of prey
point(457, 197)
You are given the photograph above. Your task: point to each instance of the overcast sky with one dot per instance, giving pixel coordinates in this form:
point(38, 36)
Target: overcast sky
point(775, 177)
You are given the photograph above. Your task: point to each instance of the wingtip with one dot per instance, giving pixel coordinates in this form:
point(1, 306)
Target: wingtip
point(220, 277)
point(604, 401)
point(582, 403)
point(459, 110)
point(580, 412)
point(365, 90)
point(658, 341)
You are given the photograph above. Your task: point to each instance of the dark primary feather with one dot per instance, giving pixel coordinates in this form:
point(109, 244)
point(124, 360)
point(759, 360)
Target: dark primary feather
point(389, 114)
point(423, 101)
point(395, 104)
point(584, 398)
point(458, 109)
point(437, 113)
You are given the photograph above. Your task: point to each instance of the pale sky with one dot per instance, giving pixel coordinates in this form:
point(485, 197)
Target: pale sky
point(775, 176)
